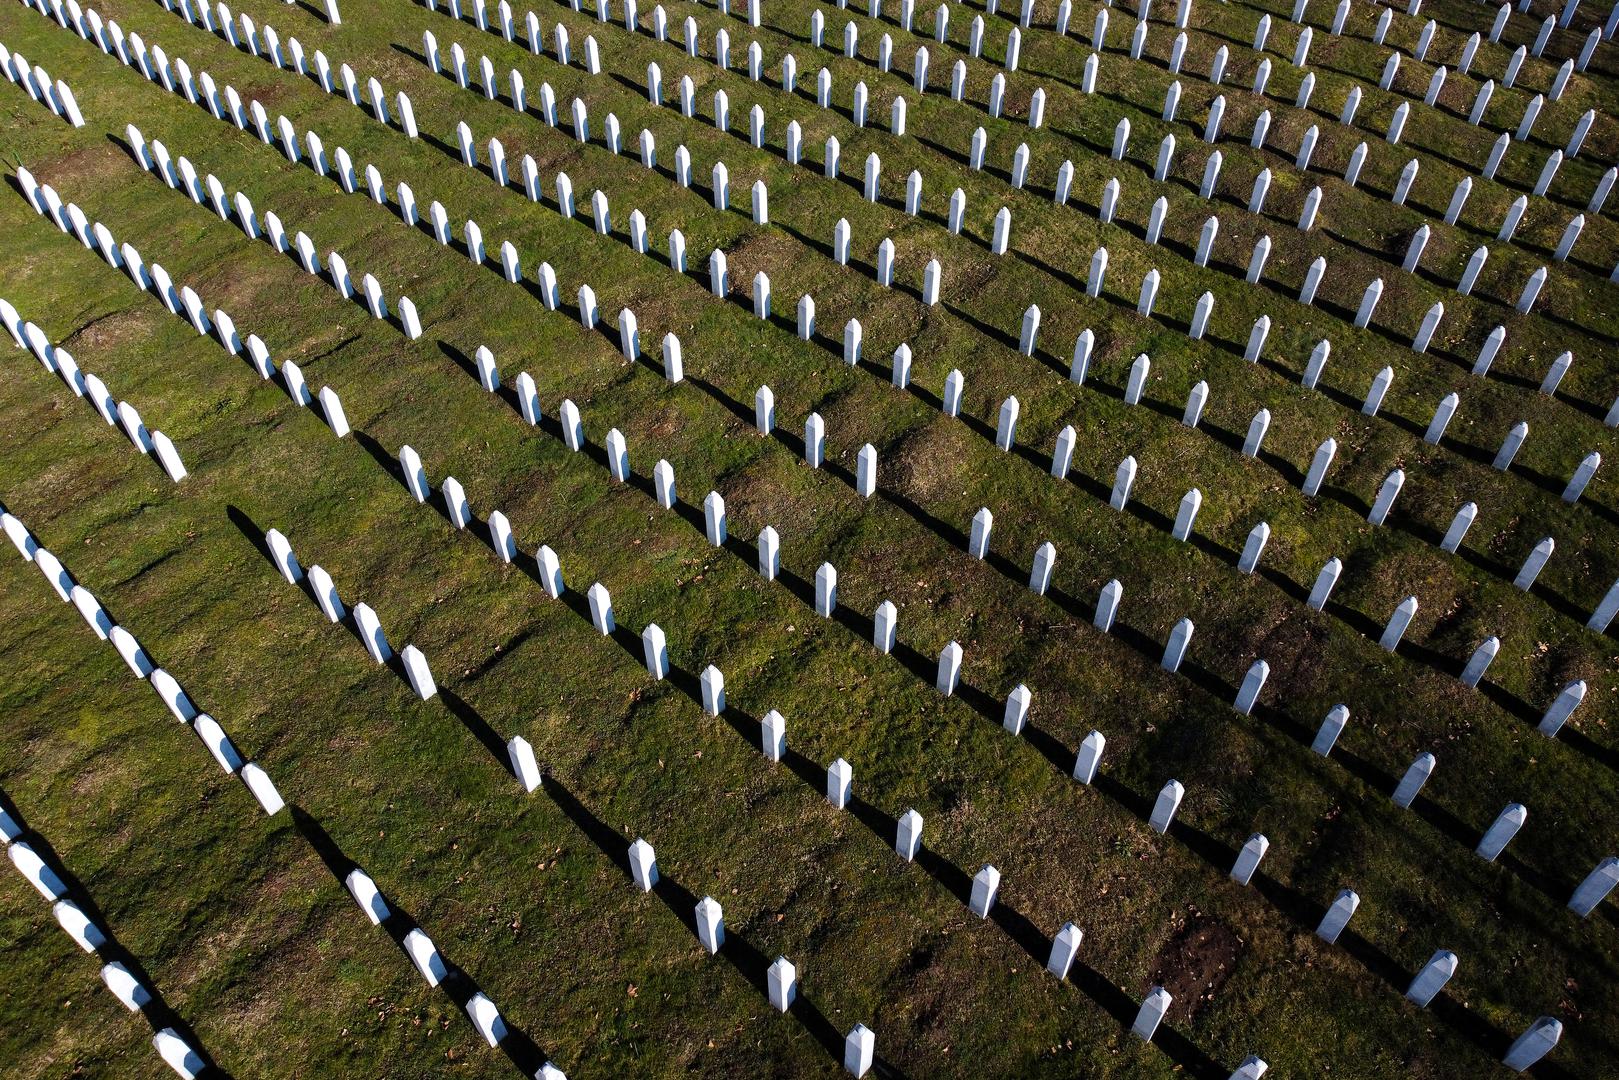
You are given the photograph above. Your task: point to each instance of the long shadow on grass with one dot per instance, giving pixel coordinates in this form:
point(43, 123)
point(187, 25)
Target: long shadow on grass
point(748, 960)
point(157, 1012)
point(983, 328)
point(1211, 851)
point(457, 985)
point(1018, 927)
point(979, 700)
point(1307, 913)
point(459, 707)
point(994, 333)
point(1084, 610)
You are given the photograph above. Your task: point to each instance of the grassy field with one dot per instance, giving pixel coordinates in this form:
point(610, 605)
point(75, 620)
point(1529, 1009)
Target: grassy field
point(242, 921)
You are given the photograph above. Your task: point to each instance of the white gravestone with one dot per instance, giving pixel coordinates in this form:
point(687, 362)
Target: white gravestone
point(1432, 978)
point(425, 955)
point(713, 686)
point(524, 766)
point(710, 924)
point(908, 835)
point(782, 979)
point(1165, 806)
point(643, 865)
point(1242, 871)
point(1152, 1011)
point(367, 896)
point(1337, 915)
point(418, 673)
point(1089, 757)
point(839, 778)
point(858, 1049)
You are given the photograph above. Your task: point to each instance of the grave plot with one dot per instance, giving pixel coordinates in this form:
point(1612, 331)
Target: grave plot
point(877, 541)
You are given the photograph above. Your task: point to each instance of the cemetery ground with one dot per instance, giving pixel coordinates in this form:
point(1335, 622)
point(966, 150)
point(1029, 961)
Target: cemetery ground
point(242, 920)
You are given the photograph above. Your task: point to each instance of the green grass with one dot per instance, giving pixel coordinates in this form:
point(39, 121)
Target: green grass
point(255, 943)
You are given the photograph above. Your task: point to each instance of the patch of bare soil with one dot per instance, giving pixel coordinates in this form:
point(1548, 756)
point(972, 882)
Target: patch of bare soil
point(665, 423)
point(672, 309)
point(1295, 650)
point(1016, 102)
point(771, 252)
point(1194, 963)
point(928, 462)
point(110, 332)
point(756, 495)
point(265, 94)
point(71, 170)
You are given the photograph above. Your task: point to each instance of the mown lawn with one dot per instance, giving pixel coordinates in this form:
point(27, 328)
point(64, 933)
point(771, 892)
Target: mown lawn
point(239, 919)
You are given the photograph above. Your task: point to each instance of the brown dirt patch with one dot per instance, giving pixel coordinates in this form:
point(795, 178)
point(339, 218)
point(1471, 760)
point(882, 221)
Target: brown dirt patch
point(1016, 101)
point(267, 94)
point(1195, 963)
point(102, 159)
point(664, 424)
point(969, 278)
point(928, 462)
point(550, 157)
point(757, 496)
point(1295, 649)
point(236, 287)
point(769, 252)
point(665, 310)
point(109, 332)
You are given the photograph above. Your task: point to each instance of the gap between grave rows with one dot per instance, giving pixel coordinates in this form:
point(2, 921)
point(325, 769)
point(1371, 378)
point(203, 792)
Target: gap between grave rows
point(89, 388)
